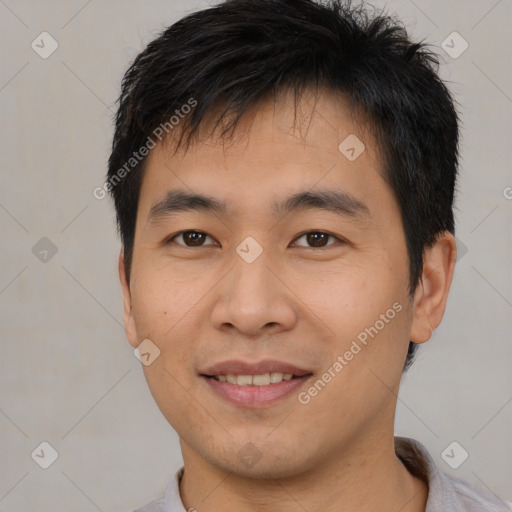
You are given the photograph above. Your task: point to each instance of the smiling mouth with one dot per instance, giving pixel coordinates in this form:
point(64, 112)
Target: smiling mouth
point(264, 379)
point(255, 391)
point(254, 384)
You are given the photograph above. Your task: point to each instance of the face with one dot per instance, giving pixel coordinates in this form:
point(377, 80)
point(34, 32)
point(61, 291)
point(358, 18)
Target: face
point(318, 290)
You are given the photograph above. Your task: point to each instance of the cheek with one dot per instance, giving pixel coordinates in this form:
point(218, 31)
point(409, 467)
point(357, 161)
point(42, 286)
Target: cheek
point(164, 313)
point(343, 299)
point(161, 298)
point(160, 313)
point(368, 316)
point(360, 381)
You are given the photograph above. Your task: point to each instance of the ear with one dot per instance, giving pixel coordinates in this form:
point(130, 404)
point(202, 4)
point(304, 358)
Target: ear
point(432, 291)
point(129, 321)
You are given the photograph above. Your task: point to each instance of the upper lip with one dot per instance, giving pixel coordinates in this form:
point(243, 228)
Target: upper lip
point(238, 367)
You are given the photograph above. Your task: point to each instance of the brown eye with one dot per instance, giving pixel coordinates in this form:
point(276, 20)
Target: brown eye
point(317, 239)
point(190, 238)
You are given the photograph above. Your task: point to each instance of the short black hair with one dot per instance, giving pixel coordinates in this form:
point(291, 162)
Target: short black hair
point(239, 52)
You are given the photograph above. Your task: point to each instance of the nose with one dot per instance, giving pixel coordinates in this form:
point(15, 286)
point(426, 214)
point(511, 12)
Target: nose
point(253, 299)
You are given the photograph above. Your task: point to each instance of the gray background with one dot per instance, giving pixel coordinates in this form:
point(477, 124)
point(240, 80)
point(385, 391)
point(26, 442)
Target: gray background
point(69, 377)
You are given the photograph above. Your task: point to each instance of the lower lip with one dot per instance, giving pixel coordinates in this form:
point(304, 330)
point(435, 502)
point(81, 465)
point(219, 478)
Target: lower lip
point(255, 396)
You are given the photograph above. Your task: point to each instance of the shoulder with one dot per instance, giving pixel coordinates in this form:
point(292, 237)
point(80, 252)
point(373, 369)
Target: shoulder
point(446, 493)
point(470, 498)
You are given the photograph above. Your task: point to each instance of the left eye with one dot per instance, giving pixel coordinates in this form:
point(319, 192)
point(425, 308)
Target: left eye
point(318, 239)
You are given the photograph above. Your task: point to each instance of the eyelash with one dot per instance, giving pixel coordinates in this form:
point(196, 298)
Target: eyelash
point(171, 238)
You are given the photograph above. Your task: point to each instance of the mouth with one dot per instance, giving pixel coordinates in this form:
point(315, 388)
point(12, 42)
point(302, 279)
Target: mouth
point(264, 379)
point(254, 385)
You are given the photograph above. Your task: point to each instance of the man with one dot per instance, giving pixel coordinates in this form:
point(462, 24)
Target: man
point(283, 174)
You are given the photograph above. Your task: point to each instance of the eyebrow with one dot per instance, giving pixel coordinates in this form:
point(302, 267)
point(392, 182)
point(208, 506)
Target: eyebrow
point(337, 201)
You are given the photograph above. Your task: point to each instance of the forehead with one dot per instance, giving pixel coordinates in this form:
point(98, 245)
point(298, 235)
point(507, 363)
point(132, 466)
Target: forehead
point(276, 148)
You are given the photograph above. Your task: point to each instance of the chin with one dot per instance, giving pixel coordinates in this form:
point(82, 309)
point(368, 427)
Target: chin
point(263, 459)
point(266, 468)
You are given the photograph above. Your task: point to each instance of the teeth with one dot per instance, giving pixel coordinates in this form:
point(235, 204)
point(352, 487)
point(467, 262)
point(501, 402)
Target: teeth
point(261, 380)
point(255, 380)
point(244, 380)
point(276, 377)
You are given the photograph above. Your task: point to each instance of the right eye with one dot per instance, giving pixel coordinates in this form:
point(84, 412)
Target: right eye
point(191, 238)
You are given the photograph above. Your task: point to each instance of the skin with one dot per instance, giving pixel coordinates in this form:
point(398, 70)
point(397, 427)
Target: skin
point(202, 304)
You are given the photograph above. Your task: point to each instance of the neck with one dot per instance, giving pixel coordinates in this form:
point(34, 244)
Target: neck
point(366, 477)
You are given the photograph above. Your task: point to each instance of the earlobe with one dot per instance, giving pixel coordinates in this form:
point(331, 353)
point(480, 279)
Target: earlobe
point(432, 291)
point(129, 321)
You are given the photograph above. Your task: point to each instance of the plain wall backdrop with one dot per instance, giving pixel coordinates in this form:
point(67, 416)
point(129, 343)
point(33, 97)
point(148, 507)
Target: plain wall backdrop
point(68, 376)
